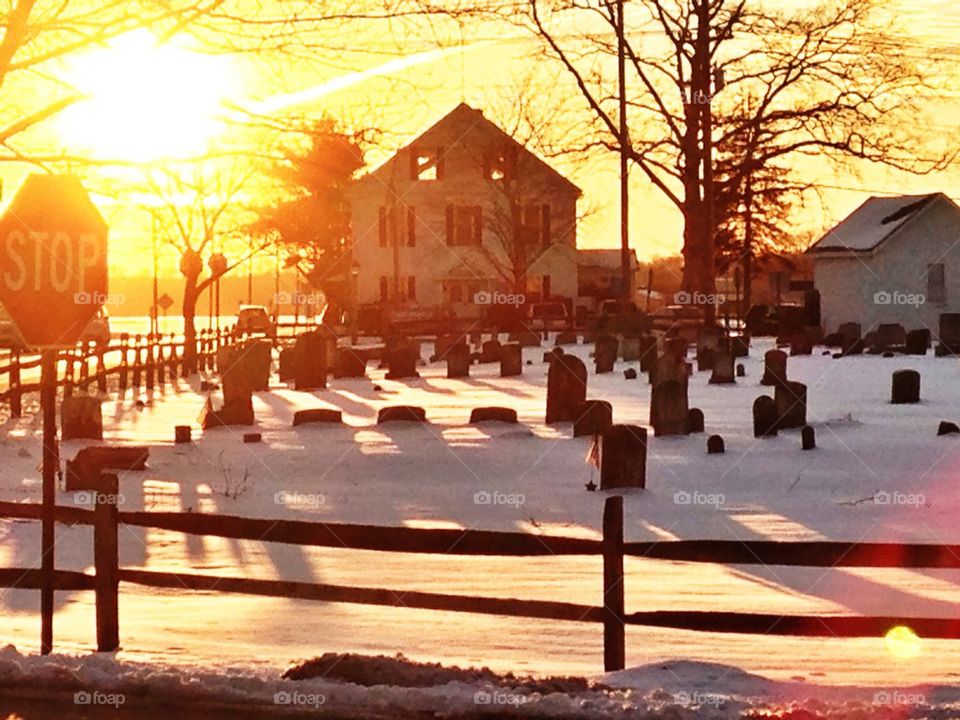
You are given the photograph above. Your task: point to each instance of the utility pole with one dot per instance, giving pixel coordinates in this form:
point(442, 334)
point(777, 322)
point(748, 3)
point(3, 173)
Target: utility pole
point(702, 88)
point(624, 154)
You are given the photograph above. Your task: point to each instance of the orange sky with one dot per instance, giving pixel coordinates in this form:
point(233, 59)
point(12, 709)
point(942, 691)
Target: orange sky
point(408, 94)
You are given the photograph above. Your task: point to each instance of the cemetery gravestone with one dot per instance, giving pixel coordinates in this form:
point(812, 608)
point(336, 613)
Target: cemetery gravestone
point(623, 457)
point(458, 361)
point(566, 388)
point(668, 408)
point(764, 417)
point(723, 370)
point(715, 445)
point(511, 360)
point(593, 417)
point(605, 353)
point(918, 341)
point(791, 401)
point(774, 368)
point(905, 387)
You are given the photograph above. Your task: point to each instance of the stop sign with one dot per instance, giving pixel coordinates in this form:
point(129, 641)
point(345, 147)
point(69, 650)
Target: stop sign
point(53, 260)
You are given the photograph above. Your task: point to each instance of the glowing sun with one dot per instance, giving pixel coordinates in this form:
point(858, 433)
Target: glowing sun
point(145, 101)
point(902, 642)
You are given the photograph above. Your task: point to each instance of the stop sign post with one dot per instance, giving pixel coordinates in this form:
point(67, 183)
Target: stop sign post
point(53, 280)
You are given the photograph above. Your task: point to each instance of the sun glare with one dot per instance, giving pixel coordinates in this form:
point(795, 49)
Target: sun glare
point(902, 642)
point(145, 101)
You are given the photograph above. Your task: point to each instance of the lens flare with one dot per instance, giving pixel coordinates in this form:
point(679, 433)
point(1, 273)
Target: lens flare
point(902, 642)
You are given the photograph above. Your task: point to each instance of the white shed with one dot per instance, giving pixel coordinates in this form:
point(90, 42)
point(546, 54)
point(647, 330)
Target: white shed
point(893, 260)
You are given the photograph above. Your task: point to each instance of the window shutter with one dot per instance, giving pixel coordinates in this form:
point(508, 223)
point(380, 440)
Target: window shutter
point(382, 227)
point(414, 165)
point(441, 165)
point(545, 224)
point(411, 288)
point(383, 288)
point(411, 227)
point(451, 239)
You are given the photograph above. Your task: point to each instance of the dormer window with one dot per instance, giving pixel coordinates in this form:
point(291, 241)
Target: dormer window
point(426, 163)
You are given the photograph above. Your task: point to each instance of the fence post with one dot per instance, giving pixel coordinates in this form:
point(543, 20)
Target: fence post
point(151, 380)
point(614, 631)
point(124, 364)
point(106, 562)
point(16, 402)
point(102, 367)
point(161, 362)
point(137, 362)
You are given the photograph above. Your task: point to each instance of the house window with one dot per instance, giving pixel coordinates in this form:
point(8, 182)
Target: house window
point(384, 289)
point(501, 165)
point(382, 227)
point(411, 288)
point(426, 164)
point(545, 234)
point(531, 228)
point(456, 292)
point(411, 227)
point(936, 284)
point(464, 225)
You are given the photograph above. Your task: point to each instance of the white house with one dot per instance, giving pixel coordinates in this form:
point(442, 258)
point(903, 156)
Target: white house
point(461, 212)
point(894, 260)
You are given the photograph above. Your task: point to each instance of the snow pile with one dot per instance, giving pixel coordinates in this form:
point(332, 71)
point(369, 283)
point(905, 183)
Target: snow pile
point(397, 688)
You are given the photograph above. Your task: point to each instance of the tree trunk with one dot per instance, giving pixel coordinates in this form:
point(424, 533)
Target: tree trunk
point(190, 296)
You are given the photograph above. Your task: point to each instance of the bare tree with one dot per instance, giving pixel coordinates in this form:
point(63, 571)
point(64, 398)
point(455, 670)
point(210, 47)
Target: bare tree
point(736, 77)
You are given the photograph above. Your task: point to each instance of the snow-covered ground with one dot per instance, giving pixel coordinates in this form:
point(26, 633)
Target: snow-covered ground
point(429, 476)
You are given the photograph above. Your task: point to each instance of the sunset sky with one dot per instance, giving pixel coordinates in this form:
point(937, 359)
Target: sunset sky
point(148, 102)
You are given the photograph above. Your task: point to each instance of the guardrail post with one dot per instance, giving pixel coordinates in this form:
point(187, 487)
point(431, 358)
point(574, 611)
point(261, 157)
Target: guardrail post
point(614, 631)
point(106, 562)
point(16, 401)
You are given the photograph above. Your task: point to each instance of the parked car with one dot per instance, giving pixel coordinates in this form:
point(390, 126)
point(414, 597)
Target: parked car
point(254, 320)
point(774, 320)
point(547, 316)
point(680, 320)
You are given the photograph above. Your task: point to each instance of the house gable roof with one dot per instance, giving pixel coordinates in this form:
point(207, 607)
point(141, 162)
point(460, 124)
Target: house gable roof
point(876, 220)
point(477, 120)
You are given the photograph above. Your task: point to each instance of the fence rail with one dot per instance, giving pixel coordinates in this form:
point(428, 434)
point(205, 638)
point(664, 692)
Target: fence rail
point(106, 519)
point(137, 360)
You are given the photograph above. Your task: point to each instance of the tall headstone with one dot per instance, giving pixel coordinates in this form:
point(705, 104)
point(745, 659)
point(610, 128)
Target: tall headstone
point(791, 402)
point(774, 368)
point(669, 408)
point(310, 361)
point(402, 359)
point(458, 360)
point(905, 387)
point(623, 457)
point(593, 417)
point(490, 352)
point(511, 360)
point(605, 351)
point(724, 372)
point(350, 363)
point(764, 417)
point(630, 348)
point(949, 335)
point(257, 361)
point(918, 341)
point(851, 342)
point(709, 341)
point(566, 388)
point(648, 352)
point(890, 336)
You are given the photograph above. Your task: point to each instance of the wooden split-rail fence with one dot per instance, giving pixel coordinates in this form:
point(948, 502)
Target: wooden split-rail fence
point(610, 611)
point(136, 360)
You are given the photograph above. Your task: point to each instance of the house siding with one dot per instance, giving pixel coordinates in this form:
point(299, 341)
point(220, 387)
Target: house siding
point(466, 139)
point(849, 284)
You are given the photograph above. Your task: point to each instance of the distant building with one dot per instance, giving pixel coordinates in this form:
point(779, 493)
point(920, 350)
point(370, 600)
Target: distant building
point(601, 276)
point(894, 260)
point(460, 214)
